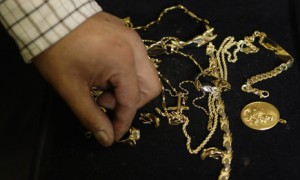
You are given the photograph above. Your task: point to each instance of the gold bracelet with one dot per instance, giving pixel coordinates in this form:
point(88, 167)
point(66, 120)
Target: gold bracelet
point(270, 45)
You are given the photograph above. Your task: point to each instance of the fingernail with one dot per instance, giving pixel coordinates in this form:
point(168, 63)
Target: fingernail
point(102, 137)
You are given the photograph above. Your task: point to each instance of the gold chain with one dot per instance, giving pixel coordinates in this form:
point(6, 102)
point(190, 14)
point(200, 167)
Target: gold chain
point(199, 40)
point(175, 115)
point(212, 80)
point(166, 11)
point(217, 72)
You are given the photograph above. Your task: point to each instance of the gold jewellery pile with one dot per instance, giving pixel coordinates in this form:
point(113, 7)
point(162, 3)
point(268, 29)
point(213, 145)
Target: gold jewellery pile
point(209, 83)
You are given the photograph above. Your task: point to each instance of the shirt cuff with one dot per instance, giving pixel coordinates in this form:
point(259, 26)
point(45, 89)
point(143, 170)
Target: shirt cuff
point(37, 24)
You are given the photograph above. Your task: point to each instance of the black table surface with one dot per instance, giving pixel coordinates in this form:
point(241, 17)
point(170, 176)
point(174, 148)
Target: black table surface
point(42, 139)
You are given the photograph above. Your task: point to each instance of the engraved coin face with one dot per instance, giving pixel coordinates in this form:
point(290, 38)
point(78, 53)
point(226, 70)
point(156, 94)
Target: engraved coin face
point(260, 115)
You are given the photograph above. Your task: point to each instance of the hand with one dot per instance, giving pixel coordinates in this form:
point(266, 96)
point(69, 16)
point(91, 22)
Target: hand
point(101, 52)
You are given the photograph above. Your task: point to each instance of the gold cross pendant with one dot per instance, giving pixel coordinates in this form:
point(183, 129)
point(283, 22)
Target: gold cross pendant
point(179, 108)
point(174, 114)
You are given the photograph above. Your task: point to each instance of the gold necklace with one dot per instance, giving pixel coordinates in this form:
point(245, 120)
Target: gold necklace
point(212, 82)
point(175, 114)
point(215, 112)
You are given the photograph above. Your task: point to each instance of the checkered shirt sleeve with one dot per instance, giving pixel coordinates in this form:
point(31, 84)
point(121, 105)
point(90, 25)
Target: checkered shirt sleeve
point(37, 24)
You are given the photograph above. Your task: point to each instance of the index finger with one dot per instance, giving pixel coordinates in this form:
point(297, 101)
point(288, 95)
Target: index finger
point(126, 92)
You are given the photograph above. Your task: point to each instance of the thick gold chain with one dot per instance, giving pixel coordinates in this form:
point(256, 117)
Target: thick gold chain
point(218, 70)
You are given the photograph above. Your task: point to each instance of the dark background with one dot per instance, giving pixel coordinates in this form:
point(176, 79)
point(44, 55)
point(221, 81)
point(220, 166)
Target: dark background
point(42, 139)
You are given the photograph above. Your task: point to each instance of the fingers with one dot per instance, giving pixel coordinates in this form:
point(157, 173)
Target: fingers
point(89, 113)
point(136, 85)
point(107, 100)
point(147, 76)
point(126, 92)
point(148, 79)
point(113, 57)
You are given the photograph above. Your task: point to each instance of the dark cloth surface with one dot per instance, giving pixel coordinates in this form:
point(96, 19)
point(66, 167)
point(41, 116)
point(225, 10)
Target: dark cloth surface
point(42, 139)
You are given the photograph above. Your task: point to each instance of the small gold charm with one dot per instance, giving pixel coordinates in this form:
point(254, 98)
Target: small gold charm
point(95, 93)
point(148, 118)
point(175, 114)
point(134, 135)
point(127, 22)
point(260, 115)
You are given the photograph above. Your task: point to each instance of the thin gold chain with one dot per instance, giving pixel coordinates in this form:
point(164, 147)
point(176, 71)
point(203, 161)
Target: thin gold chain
point(166, 11)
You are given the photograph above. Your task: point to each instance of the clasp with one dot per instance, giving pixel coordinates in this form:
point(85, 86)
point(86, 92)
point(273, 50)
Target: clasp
point(263, 94)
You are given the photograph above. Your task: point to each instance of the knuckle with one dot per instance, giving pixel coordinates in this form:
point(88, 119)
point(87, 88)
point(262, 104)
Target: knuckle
point(132, 34)
point(128, 100)
point(132, 103)
point(154, 91)
point(157, 90)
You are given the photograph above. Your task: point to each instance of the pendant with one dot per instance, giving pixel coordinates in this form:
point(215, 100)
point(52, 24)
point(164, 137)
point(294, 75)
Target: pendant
point(260, 115)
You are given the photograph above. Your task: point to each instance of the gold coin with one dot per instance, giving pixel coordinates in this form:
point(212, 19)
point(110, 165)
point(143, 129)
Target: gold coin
point(260, 115)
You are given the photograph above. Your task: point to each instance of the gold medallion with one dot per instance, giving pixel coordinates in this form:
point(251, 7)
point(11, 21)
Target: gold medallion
point(260, 115)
